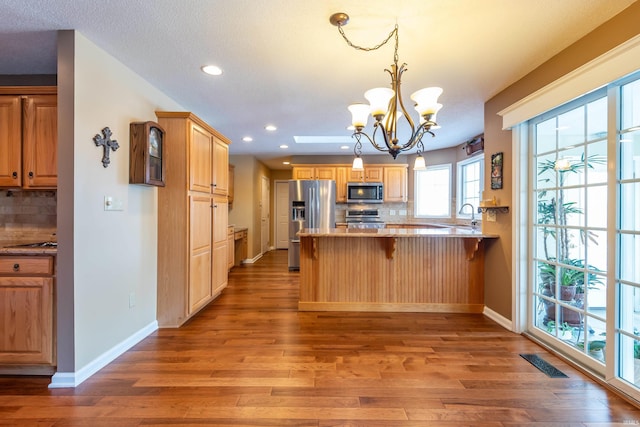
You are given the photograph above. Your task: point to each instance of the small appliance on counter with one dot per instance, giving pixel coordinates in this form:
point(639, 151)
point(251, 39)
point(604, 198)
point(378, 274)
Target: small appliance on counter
point(312, 204)
point(364, 192)
point(363, 218)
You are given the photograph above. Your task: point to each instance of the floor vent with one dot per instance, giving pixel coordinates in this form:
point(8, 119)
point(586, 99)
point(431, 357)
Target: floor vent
point(543, 365)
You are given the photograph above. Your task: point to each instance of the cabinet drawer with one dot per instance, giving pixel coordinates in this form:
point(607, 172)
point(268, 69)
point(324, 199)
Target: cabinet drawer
point(26, 265)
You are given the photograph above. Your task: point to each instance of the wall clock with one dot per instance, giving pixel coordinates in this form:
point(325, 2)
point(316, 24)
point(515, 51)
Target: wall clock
point(146, 154)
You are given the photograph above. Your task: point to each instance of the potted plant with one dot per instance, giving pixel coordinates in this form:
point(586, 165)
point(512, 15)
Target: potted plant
point(562, 274)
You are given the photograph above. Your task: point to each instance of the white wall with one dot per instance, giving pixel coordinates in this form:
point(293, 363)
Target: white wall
point(114, 253)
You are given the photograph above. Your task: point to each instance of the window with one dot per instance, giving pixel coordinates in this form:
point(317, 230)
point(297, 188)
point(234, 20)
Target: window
point(432, 192)
point(470, 185)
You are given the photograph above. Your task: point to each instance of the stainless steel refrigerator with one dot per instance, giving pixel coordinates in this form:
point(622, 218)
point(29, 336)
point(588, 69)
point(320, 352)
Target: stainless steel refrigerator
point(312, 204)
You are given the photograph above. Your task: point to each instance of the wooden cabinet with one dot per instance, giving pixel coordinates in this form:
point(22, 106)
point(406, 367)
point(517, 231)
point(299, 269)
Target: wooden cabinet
point(26, 311)
point(28, 139)
point(395, 183)
point(230, 247)
point(241, 239)
point(220, 271)
point(192, 218)
point(370, 174)
point(342, 173)
point(220, 183)
point(231, 189)
point(314, 172)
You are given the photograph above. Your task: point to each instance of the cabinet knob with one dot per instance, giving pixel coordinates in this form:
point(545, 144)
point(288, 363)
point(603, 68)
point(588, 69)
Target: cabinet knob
point(30, 174)
point(14, 175)
point(16, 267)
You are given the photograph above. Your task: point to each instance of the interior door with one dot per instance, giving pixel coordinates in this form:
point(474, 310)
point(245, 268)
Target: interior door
point(282, 215)
point(264, 215)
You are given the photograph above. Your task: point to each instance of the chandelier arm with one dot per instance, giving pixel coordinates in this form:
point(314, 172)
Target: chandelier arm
point(385, 137)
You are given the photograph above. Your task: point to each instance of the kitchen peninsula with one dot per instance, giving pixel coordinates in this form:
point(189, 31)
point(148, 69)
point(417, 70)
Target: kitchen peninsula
point(393, 269)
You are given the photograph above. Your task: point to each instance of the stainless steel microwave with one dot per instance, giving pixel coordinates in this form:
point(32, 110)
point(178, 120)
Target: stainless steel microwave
point(364, 192)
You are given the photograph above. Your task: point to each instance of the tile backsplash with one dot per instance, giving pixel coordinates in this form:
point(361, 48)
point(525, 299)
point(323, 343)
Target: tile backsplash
point(26, 214)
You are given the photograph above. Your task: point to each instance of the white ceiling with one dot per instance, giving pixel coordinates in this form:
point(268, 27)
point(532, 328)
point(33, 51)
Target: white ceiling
point(285, 64)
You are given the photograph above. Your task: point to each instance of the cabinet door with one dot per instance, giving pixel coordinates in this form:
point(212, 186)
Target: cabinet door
point(356, 176)
point(40, 141)
point(230, 248)
point(395, 184)
point(325, 172)
point(220, 167)
point(26, 320)
point(200, 157)
point(303, 173)
point(200, 249)
point(373, 174)
point(220, 269)
point(342, 173)
point(10, 142)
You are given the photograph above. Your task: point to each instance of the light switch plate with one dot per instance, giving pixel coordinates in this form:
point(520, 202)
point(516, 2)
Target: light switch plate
point(113, 204)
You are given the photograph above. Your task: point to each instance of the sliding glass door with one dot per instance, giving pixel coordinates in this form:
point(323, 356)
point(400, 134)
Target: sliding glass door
point(584, 240)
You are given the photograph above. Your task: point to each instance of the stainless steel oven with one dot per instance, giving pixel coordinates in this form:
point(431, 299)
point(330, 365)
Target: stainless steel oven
point(363, 218)
point(364, 192)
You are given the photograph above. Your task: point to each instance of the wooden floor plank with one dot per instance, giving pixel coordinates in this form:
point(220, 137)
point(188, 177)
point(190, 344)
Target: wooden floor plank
point(251, 359)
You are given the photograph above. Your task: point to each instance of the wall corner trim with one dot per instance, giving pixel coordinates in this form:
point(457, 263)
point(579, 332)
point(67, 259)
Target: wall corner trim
point(74, 379)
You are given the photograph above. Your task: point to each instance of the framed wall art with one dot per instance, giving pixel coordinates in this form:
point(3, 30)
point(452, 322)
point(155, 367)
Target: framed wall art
point(496, 171)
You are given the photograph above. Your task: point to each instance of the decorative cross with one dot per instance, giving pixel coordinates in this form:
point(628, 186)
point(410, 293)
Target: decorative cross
point(106, 142)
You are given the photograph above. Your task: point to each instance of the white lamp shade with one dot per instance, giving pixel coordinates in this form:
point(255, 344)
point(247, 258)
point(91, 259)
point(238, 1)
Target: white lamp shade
point(427, 100)
point(357, 164)
point(562, 164)
point(434, 119)
point(359, 114)
point(379, 100)
point(419, 164)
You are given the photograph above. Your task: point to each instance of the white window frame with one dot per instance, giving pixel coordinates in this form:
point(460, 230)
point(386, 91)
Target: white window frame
point(460, 186)
point(418, 192)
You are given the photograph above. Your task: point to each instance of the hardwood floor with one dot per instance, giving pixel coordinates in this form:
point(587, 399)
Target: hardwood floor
point(251, 359)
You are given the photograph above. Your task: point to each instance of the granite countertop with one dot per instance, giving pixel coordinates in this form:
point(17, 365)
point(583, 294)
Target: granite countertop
point(8, 247)
point(395, 232)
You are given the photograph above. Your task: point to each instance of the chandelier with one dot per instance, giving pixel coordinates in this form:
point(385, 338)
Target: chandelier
point(386, 107)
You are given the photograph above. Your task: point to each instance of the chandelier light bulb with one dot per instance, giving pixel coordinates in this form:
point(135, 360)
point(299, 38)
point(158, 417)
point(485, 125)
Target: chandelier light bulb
point(359, 115)
point(379, 100)
point(357, 164)
point(427, 100)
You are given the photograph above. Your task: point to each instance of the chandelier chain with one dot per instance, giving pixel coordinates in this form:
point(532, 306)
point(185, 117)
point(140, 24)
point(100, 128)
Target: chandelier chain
point(393, 32)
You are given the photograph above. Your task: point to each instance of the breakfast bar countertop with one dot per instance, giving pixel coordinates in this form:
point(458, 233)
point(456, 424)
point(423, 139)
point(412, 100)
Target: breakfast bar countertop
point(396, 232)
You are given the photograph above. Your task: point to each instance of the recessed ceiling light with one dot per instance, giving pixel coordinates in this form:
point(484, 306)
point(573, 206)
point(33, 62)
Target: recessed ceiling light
point(351, 127)
point(284, 146)
point(270, 128)
point(213, 70)
point(286, 163)
point(247, 139)
point(344, 147)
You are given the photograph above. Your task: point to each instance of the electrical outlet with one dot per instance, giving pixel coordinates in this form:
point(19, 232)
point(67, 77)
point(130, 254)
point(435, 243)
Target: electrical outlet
point(403, 212)
point(392, 212)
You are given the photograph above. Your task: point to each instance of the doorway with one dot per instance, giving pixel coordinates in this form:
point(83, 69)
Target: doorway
point(264, 214)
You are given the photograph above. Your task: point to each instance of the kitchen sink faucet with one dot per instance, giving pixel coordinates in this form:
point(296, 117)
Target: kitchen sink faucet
point(474, 223)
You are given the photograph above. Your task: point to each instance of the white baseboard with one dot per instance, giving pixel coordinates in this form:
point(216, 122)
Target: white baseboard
point(73, 379)
point(498, 318)
point(252, 260)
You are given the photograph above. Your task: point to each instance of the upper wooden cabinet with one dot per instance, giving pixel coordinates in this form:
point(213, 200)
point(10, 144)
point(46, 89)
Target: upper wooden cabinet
point(314, 172)
point(342, 173)
point(200, 157)
point(231, 189)
point(370, 174)
point(29, 139)
point(220, 184)
point(395, 183)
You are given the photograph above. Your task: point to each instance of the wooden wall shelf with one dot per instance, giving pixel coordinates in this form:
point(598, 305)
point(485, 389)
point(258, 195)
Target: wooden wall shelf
point(501, 209)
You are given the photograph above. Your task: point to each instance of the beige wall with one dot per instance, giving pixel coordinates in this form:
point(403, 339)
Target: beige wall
point(103, 257)
point(498, 267)
point(246, 199)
